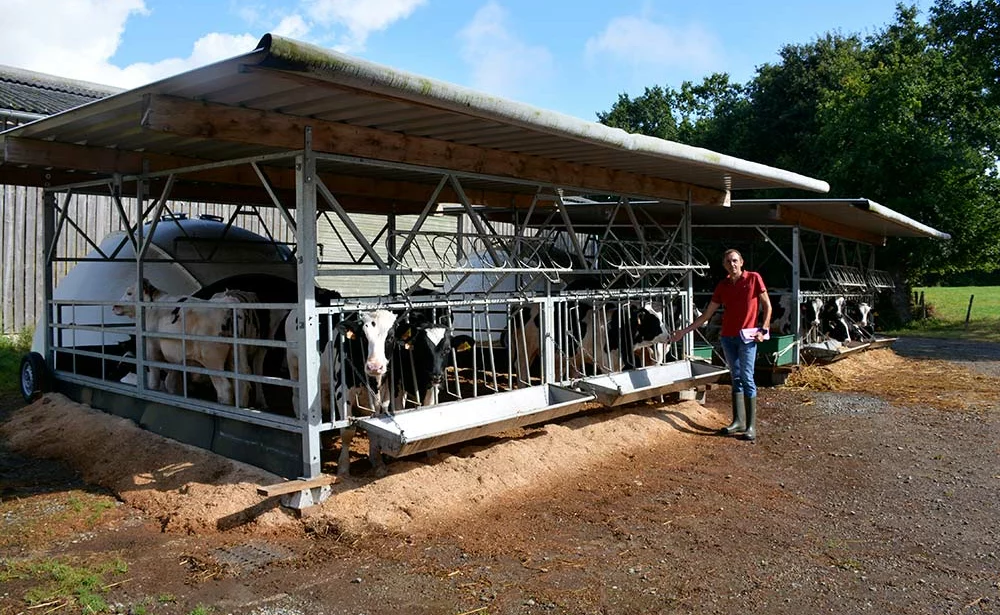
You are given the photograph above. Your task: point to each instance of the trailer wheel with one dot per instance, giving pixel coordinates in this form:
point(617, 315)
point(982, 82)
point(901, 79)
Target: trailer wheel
point(33, 376)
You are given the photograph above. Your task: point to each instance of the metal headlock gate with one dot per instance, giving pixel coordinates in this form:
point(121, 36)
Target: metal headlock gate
point(486, 279)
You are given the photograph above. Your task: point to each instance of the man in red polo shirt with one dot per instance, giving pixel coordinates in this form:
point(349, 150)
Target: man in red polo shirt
point(740, 293)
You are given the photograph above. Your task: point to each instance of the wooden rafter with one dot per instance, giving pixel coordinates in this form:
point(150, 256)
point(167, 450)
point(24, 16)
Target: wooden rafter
point(829, 227)
point(270, 129)
point(41, 163)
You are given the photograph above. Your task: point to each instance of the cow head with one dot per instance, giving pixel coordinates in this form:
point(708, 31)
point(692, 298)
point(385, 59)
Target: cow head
point(374, 331)
point(429, 348)
point(812, 310)
point(834, 324)
point(128, 299)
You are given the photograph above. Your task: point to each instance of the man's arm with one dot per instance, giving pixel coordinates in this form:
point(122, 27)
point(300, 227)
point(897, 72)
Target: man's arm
point(712, 307)
point(766, 301)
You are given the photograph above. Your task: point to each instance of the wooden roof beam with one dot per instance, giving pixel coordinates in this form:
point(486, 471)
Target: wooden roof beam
point(213, 121)
point(19, 152)
point(829, 227)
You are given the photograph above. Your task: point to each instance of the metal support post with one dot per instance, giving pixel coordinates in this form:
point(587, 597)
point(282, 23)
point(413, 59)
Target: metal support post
point(687, 237)
point(796, 299)
point(140, 312)
point(548, 333)
point(48, 229)
point(310, 408)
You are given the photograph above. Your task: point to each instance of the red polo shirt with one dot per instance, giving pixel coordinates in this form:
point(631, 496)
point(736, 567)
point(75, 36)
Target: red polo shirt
point(740, 300)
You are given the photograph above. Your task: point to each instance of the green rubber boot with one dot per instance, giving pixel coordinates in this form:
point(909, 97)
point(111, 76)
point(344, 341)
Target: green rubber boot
point(751, 430)
point(739, 422)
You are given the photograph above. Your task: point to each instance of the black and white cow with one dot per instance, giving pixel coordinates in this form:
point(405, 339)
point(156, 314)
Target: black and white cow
point(360, 350)
point(860, 320)
point(825, 320)
point(424, 350)
point(604, 338)
point(781, 315)
point(215, 317)
point(369, 338)
point(834, 323)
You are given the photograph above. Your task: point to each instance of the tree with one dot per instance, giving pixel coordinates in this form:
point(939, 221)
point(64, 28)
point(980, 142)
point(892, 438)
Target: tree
point(908, 117)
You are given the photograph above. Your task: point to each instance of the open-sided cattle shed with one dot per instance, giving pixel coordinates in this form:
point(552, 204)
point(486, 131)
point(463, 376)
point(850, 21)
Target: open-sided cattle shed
point(320, 134)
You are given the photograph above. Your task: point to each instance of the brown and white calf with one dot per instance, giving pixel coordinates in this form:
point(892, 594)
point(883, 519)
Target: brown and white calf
point(215, 317)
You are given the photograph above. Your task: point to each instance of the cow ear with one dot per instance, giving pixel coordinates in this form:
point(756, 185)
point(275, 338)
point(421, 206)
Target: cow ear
point(463, 346)
point(406, 334)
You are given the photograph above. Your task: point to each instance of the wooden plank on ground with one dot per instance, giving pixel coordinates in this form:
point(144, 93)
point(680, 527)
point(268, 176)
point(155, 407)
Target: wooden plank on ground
point(293, 486)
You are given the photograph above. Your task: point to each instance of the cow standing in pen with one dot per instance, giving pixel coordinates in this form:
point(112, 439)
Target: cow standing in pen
point(423, 352)
point(215, 317)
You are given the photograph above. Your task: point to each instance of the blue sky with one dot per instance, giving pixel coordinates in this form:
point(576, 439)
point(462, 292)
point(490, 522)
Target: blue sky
point(572, 57)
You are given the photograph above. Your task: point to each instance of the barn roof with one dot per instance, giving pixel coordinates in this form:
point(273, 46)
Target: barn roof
point(258, 103)
point(41, 94)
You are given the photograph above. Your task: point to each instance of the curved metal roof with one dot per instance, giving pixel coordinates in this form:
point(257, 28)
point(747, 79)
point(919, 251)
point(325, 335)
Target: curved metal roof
point(248, 106)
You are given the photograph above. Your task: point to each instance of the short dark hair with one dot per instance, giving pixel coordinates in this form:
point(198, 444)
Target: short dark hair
point(731, 251)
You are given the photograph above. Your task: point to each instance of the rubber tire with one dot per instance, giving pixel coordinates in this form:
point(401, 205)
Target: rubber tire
point(34, 376)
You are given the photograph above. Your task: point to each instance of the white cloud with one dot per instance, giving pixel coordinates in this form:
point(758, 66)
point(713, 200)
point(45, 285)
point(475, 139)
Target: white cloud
point(360, 18)
point(501, 63)
point(292, 26)
point(207, 49)
point(71, 38)
point(642, 42)
point(79, 38)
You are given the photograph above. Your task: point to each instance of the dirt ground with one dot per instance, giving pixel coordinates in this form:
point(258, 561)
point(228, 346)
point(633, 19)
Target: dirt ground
point(874, 487)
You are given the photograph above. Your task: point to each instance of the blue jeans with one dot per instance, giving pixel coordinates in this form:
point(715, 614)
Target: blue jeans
point(741, 358)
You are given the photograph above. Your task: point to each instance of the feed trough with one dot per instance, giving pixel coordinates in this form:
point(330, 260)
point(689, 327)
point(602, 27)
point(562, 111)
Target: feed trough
point(826, 352)
point(424, 429)
point(638, 384)
point(881, 342)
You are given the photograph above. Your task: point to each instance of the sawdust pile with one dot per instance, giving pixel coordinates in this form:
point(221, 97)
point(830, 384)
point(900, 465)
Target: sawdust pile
point(902, 380)
point(417, 492)
point(185, 488)
point(191, 490)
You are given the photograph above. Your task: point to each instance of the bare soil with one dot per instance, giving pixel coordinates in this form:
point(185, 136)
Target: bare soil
point(874, 487)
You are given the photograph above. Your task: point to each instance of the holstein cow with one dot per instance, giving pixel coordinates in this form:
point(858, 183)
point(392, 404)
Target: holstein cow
point(606, 338)
point(781, 315)
point(834, 324)
point(200, 319)
point(812, 319)
point(367, 339)
point(860, 320)
point(424, 350)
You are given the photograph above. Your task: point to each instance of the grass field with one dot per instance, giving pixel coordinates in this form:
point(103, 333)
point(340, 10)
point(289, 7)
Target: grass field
point(947, 308)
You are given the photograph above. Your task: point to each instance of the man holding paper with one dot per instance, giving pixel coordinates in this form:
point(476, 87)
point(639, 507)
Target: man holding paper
point(741, 293)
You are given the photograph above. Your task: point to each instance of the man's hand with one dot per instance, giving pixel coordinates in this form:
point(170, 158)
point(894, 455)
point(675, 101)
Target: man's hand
point(676, 335)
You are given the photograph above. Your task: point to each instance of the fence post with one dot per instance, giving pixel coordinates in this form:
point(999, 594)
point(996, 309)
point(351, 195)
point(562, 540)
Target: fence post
point(923, 306)
point(968, 313)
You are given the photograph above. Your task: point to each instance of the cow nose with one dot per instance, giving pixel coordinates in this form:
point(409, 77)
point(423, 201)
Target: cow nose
point(375, 368)
point(436, 378)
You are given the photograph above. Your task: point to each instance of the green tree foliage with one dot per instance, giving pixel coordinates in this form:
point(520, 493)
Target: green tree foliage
point(908, 117)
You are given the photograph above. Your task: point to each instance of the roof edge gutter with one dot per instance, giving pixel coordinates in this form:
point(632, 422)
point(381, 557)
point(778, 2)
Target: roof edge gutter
point(898, 218)
point(21, 116)
point(347, 70)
